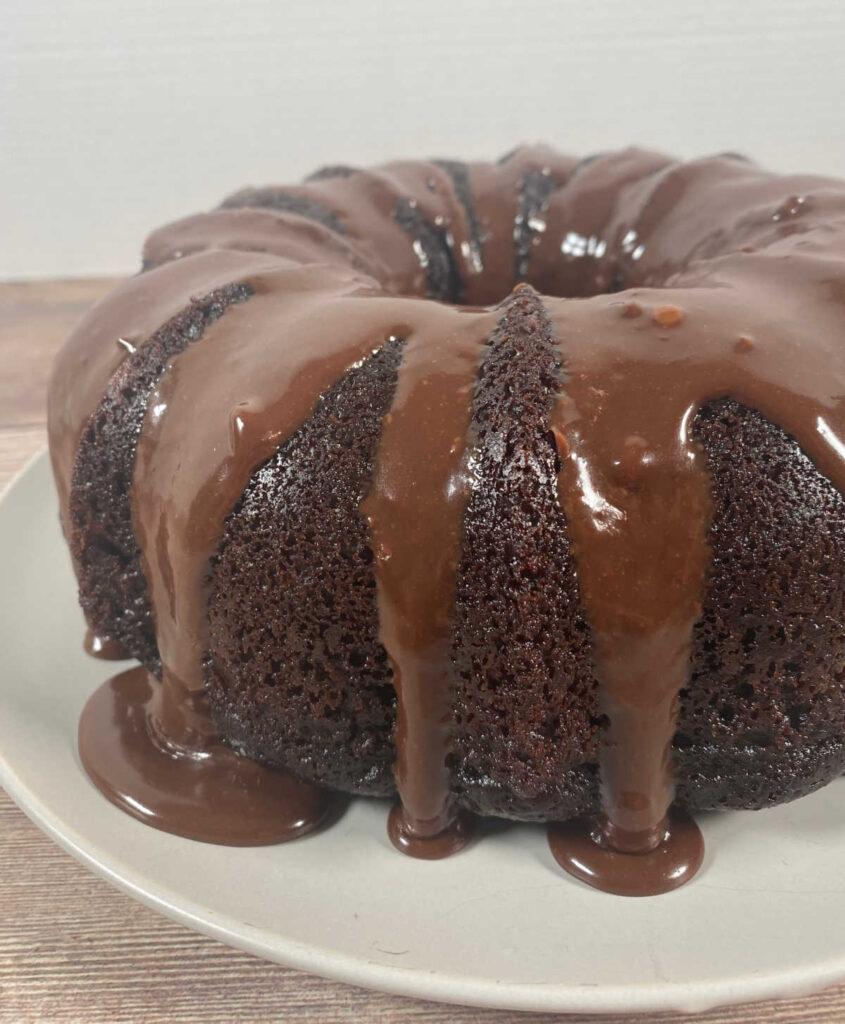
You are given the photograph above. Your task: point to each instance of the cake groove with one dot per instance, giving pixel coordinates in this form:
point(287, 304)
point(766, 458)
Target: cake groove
point(415, 510)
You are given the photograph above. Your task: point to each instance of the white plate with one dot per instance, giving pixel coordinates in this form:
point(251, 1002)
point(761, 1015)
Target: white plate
point(498, 925)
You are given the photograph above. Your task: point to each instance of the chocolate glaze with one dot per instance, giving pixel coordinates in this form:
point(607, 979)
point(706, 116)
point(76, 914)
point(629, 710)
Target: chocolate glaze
point(213, 796)
point(247, 230)
point(452, 832)
point(584, 850)
point(510, 209)
point(637, 494)
point(104, 647)
point(577, 241)
point(111, 331)
point(415, 512)
point(737, 292)
point(254, 378)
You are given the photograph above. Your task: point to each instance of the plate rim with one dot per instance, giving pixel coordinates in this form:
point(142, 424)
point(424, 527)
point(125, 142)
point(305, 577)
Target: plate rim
point(589, 998)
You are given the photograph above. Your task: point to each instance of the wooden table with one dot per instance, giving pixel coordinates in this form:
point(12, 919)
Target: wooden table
point(72, 948)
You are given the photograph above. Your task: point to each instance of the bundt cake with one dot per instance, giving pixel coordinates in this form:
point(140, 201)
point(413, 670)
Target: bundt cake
point(515, 487)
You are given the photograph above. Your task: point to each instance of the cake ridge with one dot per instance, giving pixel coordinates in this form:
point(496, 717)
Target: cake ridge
point(575, 255)
point(459, 173)
point(520, 643)
point(633, 491)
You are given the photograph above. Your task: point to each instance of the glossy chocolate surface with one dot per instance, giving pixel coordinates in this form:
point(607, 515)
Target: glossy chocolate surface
point(212, 795)
point(104, 647)
point(584, 850)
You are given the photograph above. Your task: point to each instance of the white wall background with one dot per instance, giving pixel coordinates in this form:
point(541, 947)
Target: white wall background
point(118, 115)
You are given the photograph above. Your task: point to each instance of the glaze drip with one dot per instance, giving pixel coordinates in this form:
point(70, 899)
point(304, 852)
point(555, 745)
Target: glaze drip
point(636, 492)
point(213, 796)
point(415, 511)
point(587, 853)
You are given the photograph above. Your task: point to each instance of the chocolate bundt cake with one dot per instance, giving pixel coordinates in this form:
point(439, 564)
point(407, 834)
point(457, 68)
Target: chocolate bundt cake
point(516, 487)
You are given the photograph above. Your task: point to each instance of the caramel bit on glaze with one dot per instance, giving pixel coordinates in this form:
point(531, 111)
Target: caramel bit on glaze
point(560, 442)
point(668, 316)
point(744, 345)
point(630, 310)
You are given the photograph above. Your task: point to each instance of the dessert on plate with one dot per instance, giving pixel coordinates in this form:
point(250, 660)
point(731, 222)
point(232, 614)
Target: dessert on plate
point(513, 489)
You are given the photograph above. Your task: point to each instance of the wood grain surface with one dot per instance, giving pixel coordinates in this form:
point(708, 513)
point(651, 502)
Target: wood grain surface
point(72, 948)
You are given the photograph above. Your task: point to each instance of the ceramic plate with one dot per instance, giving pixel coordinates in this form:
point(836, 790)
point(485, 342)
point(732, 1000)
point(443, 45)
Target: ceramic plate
point(498, 925)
